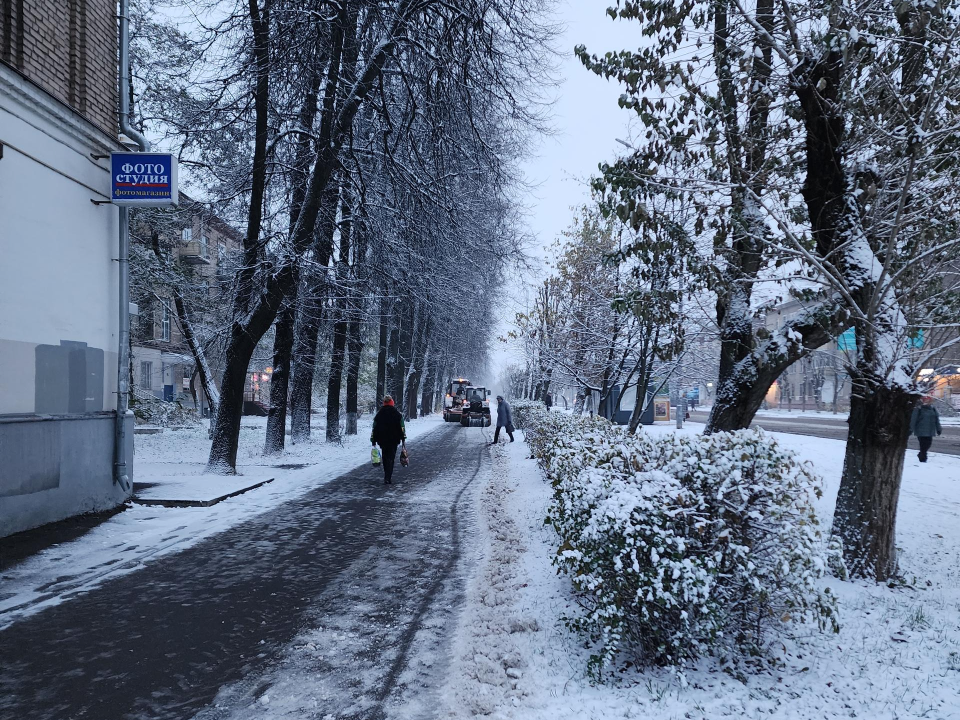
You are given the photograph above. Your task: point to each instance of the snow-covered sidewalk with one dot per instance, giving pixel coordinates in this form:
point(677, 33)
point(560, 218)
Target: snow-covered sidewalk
point(141, 534)
point(897, 655)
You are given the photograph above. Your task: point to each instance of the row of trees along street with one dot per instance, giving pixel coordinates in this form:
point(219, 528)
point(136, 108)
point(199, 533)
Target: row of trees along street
point(796, 149)
point(369, 150)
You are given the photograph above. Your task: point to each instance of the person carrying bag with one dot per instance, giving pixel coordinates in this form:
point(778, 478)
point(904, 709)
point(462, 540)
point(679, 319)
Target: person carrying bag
point(389, 432)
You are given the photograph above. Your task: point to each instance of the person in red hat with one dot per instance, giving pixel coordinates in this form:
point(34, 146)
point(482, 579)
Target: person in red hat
point(389, 432)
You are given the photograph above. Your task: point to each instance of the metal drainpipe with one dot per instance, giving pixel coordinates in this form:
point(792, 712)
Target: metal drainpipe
point(121, 474)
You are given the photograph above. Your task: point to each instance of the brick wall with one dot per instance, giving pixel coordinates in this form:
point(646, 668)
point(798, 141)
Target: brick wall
point(69, 48)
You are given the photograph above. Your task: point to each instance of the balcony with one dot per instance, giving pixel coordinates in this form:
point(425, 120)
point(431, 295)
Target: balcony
point(195, 253)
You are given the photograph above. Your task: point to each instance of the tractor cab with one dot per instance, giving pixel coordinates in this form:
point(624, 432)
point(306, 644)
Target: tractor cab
point(454, 399)
point(475, 410)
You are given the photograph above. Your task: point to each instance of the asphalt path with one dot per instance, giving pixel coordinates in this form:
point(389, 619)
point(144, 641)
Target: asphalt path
point(836, 428)
point(336, 603)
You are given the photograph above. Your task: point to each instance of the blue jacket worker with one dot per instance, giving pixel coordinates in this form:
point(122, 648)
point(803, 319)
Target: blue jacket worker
point(925, 423)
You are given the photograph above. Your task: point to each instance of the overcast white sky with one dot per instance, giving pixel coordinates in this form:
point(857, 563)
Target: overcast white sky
point(588, 121)
point(586, 115)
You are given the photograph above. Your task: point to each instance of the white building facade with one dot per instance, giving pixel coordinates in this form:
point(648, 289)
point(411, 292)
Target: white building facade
point(58, 302)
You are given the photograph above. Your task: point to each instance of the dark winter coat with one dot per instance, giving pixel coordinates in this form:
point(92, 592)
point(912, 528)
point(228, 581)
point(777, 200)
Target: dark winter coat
point(925, 421)
point(504, 416)
point(389, 429)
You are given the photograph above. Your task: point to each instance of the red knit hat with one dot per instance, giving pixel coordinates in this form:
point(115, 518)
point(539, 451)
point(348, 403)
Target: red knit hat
point(387, 400)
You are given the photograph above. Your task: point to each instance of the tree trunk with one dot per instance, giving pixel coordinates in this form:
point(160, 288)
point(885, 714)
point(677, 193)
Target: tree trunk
point(421, 340)
point(335, 378)
point(866, 511)
point(383, 351)
point(393, 360)
point(579, 402)
point(427, 399)
point(400, 340)
point(280, 380)
point(311, 318)
point(744, 383)
point(301, 396)
point(355, 351)
point(226, 432)
point(443, 380)
point(736, 403)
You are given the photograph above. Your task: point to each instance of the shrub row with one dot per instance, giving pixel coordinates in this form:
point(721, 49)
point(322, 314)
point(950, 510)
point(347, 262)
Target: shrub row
point(681, 545)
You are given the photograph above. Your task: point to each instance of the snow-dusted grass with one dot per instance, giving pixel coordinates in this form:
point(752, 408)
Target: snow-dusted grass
point(897, 654)
point(140, 534)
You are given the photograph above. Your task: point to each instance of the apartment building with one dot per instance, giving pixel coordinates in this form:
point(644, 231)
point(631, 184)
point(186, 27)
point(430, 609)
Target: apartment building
point(59, 281)
point(202, 251)
point(817, 381)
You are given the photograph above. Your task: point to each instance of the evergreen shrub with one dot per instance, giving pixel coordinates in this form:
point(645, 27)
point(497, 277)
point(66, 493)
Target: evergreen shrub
point(679, 546)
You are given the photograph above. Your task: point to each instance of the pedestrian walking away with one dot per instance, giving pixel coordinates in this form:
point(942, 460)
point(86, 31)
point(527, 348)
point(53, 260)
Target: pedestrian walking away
point(389, 432)
point(504, 419)
point(925, 423)
point(548, 400)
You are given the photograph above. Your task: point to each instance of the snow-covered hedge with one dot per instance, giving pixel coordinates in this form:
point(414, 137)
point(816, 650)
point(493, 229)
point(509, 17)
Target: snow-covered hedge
point(681, 545)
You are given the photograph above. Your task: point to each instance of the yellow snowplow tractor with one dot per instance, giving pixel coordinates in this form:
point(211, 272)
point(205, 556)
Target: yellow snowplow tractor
point(454, 399)
point(475, 411)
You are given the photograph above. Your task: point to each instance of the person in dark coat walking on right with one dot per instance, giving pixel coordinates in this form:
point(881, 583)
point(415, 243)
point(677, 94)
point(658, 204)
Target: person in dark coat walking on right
point(389, 432)
point(504, 419)
point(925, 423)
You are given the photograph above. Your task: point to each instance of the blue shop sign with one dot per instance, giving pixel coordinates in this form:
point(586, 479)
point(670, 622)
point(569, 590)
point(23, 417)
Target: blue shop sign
point(143, 179)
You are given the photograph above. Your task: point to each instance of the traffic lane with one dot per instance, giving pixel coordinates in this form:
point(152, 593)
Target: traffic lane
point(160, 642)
point(836, 429)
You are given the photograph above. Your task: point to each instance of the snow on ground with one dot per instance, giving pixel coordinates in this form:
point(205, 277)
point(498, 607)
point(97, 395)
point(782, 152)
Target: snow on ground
point(897, 655)
point(140, 534)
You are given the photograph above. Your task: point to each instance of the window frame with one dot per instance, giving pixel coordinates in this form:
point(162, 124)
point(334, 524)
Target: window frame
point(165, 321)
point(146, 373)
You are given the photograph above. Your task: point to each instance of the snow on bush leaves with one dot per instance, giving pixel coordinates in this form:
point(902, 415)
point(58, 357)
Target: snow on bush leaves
point(681, 545)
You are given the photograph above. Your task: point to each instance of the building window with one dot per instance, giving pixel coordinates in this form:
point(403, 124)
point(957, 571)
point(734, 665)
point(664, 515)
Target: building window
point(165, 322)
point(146, 375)
point(187, 235)
point(204, 247)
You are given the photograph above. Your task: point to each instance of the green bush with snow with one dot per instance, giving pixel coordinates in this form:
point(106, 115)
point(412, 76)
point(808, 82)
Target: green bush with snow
point(679, 546)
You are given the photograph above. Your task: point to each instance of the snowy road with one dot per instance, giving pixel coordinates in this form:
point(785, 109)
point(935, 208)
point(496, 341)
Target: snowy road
point(835, 428)
point(338, 604)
